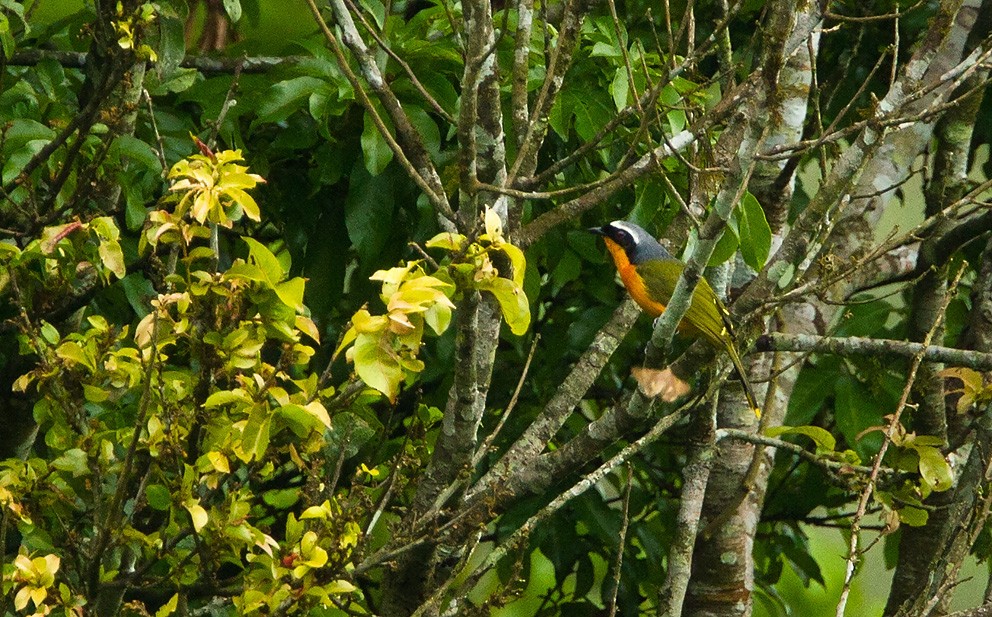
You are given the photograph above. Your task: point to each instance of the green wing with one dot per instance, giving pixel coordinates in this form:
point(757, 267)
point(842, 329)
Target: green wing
point(706, 315)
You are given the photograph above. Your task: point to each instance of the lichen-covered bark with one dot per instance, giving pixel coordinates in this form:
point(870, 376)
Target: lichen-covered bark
point(723, 570)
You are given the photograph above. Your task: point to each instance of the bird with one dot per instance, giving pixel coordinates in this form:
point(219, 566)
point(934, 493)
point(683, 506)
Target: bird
point(650, 272)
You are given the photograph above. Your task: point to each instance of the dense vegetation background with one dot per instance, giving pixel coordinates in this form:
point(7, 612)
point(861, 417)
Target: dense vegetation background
point(300, 316)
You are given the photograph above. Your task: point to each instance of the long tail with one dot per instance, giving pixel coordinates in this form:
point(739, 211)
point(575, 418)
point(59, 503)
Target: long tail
point(752, 400)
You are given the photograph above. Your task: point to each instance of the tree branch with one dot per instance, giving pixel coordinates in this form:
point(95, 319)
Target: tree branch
point(861, 346)
point(537, 435)
point(205, 64)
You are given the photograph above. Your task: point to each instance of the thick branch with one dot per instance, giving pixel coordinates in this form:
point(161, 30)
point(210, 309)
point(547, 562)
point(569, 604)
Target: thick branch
point(204, 64)
point(860, 346)
point(569, 394)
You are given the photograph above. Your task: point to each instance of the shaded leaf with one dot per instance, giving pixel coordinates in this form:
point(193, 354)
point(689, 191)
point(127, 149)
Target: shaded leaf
point(755, 234)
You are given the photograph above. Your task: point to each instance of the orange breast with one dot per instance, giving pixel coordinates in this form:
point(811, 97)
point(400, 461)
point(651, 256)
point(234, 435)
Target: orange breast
point(633, 281)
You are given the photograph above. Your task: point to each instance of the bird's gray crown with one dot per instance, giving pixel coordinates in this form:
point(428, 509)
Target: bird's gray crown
point(638, 243)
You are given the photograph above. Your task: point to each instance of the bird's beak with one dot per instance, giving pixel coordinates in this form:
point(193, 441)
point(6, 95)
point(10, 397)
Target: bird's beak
point(596, 230)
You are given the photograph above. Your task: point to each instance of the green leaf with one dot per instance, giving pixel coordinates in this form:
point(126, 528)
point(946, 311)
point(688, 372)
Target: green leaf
point(934, 468)
point(74, 461)
point(813, 386)
point(672, 102)
point(233, 10)
point(226, 397)
point(605, 50)
point(619, 88)
point(20, 131)
point(782, 273)
point(426, 126)
point(283, 498)
point(172, 42)
point(512, 302)
point(180, 80)
point(286, 97)
point(592, 112)
point(368, 211)
point(856, 409)
point(755, 234)
point(137, 151)
point(158, 496)
point(339, 586)
point(7, 43)
point(914, 517)
point(824, 440)
point(374, 147)
point(725, 248)
point(267, 263)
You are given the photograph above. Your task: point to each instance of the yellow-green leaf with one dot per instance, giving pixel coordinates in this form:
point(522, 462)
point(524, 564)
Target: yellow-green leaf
point(261, 256)
point(494, 226)
point(73, 353)
point(934, 468)
point(225, 397)
point(517, 260)
point(438, 317)
point(307, 326)
point(512, 302)
point(218, 461)
point(347, 339)
point(317, 410)
point(291, 293)
point(169, 607)
point(319, 512)
point(447, 240)
point(366, 323)
point(824, 440)
point(340, 586)
point(376, 365)
point(255, 436)
point(112, 257)
point(197, 514)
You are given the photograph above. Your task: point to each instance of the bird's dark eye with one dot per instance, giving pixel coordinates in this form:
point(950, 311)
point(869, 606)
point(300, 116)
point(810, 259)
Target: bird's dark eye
point(624, 239)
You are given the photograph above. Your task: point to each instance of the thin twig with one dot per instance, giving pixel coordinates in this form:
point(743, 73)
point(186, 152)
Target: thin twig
point(160, 152)
point(228, 103)
point(621, 541)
